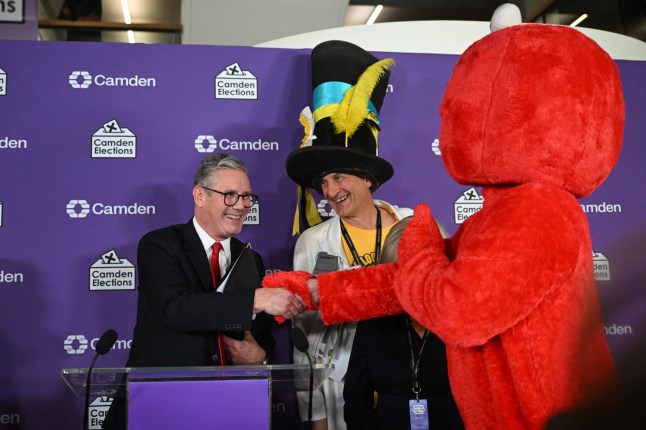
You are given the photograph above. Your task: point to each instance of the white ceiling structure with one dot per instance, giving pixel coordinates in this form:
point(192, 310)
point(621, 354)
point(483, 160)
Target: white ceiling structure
point(250, 22)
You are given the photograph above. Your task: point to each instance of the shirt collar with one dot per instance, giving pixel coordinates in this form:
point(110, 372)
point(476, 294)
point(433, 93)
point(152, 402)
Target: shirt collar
point(208, 241)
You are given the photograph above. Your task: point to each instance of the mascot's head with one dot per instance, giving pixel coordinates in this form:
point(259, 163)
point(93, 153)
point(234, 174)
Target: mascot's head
point(533, 102)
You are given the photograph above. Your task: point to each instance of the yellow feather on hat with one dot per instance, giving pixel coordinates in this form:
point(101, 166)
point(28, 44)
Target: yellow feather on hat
point(353, 108)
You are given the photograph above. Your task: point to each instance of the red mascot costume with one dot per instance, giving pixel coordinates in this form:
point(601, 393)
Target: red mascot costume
point(534, 115)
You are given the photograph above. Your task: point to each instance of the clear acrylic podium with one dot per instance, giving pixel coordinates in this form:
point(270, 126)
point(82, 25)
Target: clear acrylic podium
point(196, 397)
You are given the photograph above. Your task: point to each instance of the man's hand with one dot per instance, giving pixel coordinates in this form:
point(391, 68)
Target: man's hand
point(245, 351)
point(313, 287)
point(277, 301)
point(296, 282)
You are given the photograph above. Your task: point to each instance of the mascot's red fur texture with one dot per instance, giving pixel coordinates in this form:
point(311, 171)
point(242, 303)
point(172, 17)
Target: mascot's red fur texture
point(534, 115)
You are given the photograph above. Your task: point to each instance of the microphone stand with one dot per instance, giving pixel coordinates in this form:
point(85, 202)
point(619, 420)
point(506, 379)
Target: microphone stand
point(103, 345)
point(87, 392)
point(309, 406)
point(300, 343)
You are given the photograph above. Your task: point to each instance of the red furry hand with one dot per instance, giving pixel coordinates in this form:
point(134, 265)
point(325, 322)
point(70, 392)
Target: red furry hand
point(420, 234)
point(296, 282)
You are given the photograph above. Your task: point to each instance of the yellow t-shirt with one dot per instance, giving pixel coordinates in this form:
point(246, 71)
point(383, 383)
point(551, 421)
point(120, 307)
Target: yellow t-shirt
point(364, 242)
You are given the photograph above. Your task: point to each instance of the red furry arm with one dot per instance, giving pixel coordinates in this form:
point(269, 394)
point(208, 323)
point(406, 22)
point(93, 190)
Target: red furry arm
point(504, 262)
point(360, 294)
point(296, 282)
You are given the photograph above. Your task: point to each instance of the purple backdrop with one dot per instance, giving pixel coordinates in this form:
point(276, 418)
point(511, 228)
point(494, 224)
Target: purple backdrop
point(99, 143)
point(19, 21)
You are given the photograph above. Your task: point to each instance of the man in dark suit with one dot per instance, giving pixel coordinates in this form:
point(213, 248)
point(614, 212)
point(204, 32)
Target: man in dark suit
point(179, 310)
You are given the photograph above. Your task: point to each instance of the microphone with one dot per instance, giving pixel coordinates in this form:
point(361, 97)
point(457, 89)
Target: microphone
point(299, 340)
point(105, 342)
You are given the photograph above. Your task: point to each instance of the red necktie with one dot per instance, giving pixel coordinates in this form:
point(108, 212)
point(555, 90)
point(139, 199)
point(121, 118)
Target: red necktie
point(215, 276)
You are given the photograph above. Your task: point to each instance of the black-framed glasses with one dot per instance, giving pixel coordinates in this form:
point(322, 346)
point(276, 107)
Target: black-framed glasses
point(231, 198)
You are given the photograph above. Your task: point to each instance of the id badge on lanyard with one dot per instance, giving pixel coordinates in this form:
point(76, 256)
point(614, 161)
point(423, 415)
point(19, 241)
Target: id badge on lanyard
point(418, 409)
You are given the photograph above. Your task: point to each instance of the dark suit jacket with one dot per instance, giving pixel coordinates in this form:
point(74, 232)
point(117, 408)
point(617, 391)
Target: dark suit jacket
point(178, 310)
point(380, 361)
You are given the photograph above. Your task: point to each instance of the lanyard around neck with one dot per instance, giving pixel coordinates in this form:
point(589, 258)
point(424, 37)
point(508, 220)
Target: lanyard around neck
point(415, 361)
point(351, 246)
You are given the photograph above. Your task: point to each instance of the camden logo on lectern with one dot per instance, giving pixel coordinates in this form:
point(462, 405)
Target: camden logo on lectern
point(112, 273)
point(97, 411)
point(112, 141)
point(80, 208)
point(206, 143)
point(467, 204)
point(3, 82)
point(601, 266)
point(236, 84)
point(82, 79)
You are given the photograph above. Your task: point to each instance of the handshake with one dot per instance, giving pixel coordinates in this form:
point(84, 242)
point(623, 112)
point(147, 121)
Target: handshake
point(286, 294)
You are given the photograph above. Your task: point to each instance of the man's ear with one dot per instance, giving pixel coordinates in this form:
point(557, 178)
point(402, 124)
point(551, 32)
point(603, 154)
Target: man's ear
point(198, 196)
point(368, 183)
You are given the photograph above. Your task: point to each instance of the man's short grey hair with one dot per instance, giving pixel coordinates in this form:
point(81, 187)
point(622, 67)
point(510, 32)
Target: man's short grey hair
point(214, 163)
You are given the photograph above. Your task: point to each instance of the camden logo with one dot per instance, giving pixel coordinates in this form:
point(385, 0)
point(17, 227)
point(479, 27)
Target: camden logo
point(112, 273)
point(12, 11)
point(80, 208)
point(253, 217)
point(82, 79)
point(466, 205)
point(206, 143)
point(97, 411)
point(324, 209)
point(75, 344)
point(11, 278)
point(601, 266)
point(3, 82)
point(435, 147)
point(113, 141)
point(209, 141)
point(235, 83)
point(9, 143)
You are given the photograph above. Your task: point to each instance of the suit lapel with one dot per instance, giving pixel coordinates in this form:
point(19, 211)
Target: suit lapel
point(196, 255)
point(236, 248)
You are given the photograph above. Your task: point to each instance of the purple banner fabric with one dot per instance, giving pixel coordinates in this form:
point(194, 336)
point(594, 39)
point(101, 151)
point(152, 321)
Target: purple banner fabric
point(226, 404)
point(19, 20)
point(99, 143)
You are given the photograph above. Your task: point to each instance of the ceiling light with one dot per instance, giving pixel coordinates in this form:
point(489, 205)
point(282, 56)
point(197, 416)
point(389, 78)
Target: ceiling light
point(127, 20)
point(374, 15)
point(126, 12)
point(578, 20)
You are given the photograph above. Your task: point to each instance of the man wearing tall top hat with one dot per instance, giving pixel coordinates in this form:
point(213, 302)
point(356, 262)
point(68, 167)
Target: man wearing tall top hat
point(339, 158)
